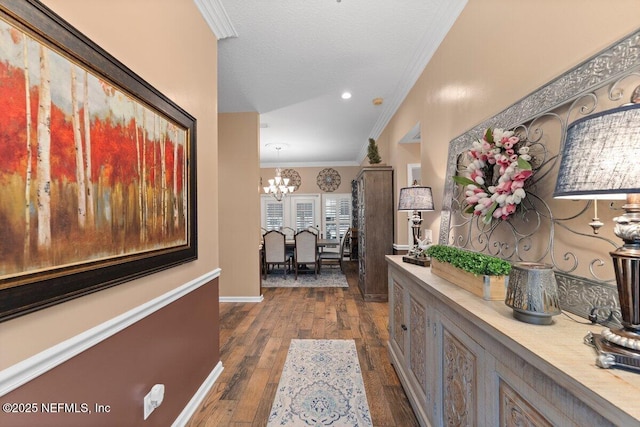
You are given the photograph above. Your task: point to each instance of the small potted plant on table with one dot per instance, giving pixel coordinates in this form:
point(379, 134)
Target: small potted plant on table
point(483, 275)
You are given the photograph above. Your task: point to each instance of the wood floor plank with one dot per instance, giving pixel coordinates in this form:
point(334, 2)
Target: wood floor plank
point(213, 410)
point(400, 408)
point(278, 364)
point(378, 406)
point(307, 320)
point(264, 405)
point(255, 339)
point(269, 353)
point(246, 408)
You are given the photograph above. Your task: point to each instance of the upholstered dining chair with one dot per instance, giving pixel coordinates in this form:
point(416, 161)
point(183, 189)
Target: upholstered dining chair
point(274, 252)
point(343, 254)
point(314, 230)
point(288, 232)
point(306, 251)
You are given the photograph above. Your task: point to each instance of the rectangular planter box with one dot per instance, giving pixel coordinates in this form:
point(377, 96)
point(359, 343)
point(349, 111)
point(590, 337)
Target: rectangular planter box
point(487, 287)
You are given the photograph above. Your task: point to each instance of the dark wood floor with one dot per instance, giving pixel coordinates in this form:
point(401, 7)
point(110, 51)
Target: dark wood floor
point(255, 337)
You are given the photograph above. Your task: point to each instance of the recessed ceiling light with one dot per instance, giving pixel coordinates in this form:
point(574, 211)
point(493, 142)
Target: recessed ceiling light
point(346, 95)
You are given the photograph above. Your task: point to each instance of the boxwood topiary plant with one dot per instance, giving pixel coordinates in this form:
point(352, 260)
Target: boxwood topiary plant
point(472, 262)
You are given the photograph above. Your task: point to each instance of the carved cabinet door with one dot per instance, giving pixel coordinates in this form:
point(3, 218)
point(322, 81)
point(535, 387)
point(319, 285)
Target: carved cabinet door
point(421, 354)
point(462, 366)
point(398, 319)
point(412, 345)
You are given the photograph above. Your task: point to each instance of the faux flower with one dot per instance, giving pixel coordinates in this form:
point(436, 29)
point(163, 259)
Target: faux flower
point(490, 195)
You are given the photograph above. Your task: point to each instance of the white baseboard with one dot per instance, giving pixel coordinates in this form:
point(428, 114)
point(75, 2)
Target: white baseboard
point(28, 369)
point(242, 299)
point(198, 398)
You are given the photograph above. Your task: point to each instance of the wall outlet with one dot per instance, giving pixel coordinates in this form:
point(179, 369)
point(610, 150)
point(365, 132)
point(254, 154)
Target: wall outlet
point(153, 399)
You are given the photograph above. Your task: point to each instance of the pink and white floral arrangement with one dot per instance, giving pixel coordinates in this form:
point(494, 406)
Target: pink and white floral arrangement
point(490, 196)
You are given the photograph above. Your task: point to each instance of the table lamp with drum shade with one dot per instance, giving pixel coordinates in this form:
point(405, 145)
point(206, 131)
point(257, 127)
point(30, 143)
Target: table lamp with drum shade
point(415, 199)
point(601, 160)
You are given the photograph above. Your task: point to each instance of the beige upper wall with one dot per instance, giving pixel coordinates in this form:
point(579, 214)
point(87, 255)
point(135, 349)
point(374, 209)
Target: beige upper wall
point(497, 52)
point(170, 46)
point(309, 178)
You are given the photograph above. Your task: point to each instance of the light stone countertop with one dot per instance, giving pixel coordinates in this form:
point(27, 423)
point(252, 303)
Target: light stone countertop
point(557, 349)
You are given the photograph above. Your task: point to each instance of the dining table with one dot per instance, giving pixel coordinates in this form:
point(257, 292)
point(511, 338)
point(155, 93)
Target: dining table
point(321, 243)
point(291, 244)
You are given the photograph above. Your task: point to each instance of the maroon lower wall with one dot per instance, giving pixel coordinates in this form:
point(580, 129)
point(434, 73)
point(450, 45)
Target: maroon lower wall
point(177, 346)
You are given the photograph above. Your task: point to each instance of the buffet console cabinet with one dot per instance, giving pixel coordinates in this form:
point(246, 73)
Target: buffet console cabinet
point(464, 361)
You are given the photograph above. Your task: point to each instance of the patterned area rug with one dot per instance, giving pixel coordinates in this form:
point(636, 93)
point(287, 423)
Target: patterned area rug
point(321, 385)
point(330, 277)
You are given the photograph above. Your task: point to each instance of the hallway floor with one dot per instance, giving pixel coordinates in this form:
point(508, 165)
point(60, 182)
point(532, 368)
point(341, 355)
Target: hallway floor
point(254, 340)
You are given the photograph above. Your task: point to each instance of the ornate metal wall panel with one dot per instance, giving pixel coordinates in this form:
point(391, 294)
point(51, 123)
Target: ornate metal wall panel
point(547, 230)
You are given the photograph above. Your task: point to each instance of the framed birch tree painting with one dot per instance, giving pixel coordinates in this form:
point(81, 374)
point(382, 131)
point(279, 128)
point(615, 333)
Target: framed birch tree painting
point(97, 168)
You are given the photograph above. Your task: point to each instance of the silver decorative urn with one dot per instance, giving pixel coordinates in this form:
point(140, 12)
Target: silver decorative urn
point(532, 293)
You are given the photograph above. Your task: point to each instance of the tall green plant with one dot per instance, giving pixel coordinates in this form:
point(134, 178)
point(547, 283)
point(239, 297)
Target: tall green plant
point(372, 152)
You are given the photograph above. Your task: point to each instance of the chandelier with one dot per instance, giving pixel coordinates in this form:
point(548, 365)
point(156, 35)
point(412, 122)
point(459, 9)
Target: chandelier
point(279, 186)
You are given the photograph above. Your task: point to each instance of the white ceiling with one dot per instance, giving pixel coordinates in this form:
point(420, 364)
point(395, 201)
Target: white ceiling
point(290, 60)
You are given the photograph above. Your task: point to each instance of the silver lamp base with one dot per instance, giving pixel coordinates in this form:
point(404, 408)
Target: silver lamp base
point(621, 347)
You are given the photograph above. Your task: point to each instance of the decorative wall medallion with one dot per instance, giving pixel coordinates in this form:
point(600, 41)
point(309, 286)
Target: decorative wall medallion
point(294, 177)
point(328, 180)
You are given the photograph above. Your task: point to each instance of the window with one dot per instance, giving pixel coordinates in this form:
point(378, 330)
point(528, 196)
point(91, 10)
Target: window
point(296, 211)
point(304, 214)
point(336, 215)
point(272, 214)
point(301, 211)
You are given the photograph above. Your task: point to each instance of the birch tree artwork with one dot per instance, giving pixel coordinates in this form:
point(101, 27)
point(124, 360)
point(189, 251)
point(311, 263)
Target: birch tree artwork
point(87, 172)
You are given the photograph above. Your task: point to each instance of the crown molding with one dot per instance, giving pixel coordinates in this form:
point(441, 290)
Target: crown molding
point(216, 17)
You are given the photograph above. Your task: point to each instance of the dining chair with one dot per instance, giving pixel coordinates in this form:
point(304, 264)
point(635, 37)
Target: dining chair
point(314, 230)
point(274, 252)
point(288, 232)
point(338, 258)
point(306, 251)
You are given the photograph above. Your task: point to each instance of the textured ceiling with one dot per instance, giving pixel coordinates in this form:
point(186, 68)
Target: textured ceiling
point(292, 59)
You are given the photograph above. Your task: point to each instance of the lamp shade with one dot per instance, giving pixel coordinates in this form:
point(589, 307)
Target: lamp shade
point(600, 156)
point(415, 198)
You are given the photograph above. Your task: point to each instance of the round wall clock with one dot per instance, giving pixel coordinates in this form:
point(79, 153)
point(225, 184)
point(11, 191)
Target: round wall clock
point(328, 180)
point(294, 177)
